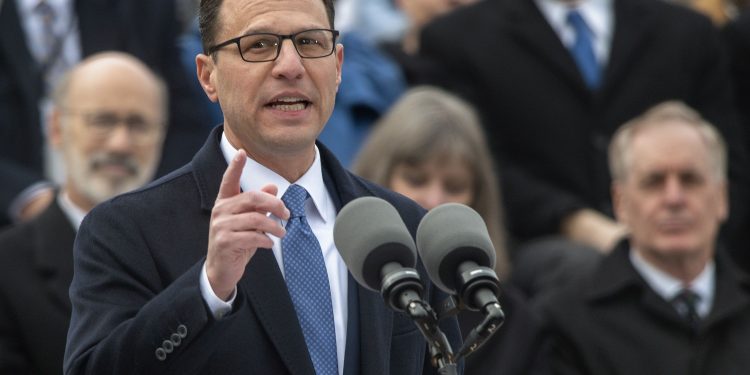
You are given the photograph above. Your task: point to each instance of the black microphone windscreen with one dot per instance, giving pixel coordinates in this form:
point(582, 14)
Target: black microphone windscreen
point(369, 233)
point(449, 235)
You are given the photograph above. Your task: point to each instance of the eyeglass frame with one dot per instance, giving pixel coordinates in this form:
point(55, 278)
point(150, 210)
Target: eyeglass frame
point(281, 37)
point(142, 134)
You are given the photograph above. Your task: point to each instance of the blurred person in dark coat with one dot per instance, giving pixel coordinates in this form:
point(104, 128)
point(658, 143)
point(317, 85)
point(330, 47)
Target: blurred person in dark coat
point(554, 79)
point(108, 122)
point(665, 301)
point(39, 41)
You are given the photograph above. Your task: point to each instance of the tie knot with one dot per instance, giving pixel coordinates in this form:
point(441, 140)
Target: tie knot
point(294, 199)
point(686, 303)
point(45, 10)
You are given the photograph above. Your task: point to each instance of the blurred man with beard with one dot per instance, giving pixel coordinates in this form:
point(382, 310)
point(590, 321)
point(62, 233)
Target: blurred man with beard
point(109, 125)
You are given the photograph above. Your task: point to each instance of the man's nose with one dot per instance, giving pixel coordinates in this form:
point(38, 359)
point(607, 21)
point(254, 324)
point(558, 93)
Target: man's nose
point(120, 139)
point(289, 63)
point(674, 191)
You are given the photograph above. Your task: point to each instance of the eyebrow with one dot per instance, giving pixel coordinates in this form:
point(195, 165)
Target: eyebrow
point(267, 30)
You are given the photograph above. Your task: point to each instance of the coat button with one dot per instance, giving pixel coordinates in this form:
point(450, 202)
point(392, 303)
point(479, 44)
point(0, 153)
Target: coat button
point(176, 339)
point(161, 354)
point(182, 330)
point(168, 346)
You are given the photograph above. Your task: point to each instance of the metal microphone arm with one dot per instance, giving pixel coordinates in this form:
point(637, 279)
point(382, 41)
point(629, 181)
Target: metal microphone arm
point(402, 289)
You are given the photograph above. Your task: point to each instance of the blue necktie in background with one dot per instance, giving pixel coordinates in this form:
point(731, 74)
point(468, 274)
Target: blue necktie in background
point(307, 281)
point(583, 50)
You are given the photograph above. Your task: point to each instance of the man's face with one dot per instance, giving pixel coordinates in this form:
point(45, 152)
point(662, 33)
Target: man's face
point(276, 107)
point(671, 200)
point(111, 132)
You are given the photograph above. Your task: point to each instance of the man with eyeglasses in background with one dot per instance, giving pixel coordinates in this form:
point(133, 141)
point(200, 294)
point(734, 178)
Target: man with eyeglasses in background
point(39, 41)
point(228, 264)
point(108, 122)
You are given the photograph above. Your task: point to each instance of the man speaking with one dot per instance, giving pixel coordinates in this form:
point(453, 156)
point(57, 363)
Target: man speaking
point(232, 269)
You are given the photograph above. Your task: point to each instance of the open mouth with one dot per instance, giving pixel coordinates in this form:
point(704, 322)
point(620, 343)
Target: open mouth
point(288, 104)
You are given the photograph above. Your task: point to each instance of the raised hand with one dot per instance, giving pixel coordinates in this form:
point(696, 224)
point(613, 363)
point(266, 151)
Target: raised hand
point(239, 223)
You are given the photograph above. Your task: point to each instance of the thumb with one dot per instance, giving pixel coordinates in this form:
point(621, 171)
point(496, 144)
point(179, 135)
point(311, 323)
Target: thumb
point(230, 183)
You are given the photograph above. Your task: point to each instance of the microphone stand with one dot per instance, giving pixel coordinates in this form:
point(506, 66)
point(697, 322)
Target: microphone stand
point(401, 288)
point(478, 288)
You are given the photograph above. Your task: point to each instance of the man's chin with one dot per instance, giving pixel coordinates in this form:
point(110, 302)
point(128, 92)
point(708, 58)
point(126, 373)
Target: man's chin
point(674, 245)
point(104, 188)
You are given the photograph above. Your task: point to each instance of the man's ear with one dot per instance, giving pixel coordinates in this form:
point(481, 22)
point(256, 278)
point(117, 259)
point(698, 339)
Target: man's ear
point(618, 203)
point(723, 204)
point(205, 69)
point(339, 64)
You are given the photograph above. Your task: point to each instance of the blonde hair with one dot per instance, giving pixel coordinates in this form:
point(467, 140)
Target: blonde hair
point(671, 111)
point(429, 124)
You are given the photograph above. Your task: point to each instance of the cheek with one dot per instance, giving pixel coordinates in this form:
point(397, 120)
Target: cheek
point(146, 155)
point(466, 198)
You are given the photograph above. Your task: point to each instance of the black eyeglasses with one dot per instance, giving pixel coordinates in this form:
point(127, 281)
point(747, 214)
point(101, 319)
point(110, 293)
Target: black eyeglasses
point(102, 124)
point(261, 47)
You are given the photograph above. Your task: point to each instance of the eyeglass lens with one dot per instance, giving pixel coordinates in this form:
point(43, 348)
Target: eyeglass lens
point(263, 47)
point(104, 123)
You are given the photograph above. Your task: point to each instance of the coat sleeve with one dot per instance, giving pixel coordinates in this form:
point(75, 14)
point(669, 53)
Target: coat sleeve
point(126, 318)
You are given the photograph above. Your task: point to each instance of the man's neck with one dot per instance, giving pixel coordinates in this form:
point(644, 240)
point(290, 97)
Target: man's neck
point(289, 166)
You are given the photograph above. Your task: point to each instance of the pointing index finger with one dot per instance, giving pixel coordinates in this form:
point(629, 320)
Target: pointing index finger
point(230, 183)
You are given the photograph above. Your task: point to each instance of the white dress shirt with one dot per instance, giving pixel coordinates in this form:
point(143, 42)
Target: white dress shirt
point(65, 25)
point(598, 14)
point(669, 287)
point(74, 213)
point(321, 215)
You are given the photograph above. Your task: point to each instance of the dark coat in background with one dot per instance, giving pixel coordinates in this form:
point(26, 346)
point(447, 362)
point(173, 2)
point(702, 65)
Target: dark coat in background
point(737, 36)
point(36, 266)
point(549, 132)
point(519, 347)
point(614, 323)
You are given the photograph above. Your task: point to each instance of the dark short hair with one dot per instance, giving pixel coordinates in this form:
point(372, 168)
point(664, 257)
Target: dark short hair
point(208, 15)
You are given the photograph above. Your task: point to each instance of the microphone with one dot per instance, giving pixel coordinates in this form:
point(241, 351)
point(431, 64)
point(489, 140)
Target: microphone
point(458, 254)
point(378, 250)
point(380, 253)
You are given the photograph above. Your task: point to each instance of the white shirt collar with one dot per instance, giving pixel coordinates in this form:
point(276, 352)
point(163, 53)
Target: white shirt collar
point(255, 176)
point(668, 287)
point(74, 213)
point(598, 14)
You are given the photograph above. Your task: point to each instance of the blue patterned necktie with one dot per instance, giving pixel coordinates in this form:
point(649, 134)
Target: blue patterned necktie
point(583, 50)
point(307, 281)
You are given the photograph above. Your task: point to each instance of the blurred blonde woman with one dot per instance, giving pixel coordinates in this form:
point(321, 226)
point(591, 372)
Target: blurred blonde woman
point(430, 147)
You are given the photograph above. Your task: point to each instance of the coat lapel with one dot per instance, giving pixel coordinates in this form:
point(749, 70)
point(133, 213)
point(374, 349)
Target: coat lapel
point(53, 253)
point(375, 319)
point(263, 283)
point(633, 25)
point(532, 31)
point(732, 290)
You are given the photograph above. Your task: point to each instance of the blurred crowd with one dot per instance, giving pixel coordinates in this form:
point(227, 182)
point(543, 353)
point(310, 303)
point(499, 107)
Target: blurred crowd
point(604, 142)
